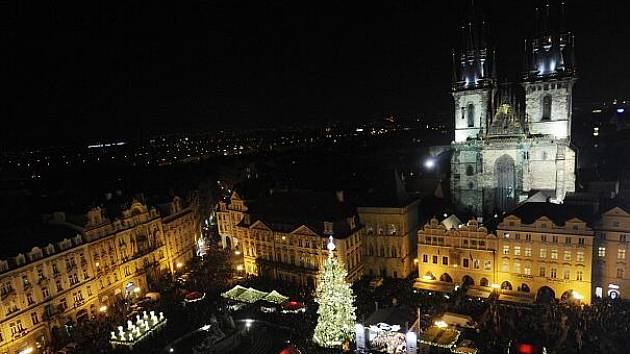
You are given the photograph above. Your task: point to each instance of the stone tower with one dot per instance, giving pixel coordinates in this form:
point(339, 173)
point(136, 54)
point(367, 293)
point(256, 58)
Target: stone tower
point(473, 79)
point(549, 74)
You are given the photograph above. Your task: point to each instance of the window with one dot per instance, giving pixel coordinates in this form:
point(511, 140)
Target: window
point(435, 259)
point(505, 266)
point(517, 250)
point(29, 299)
point(546, 108)
point(89, 290)
point(621, 254)
point(517, 267)
point(445, 260)
point(620, 273)
point(487, 265)
point(579, 275)
point(471, 115)
point(528, 251)
point(517, 237)
point(601, 251)
point(543, 253)
point(45, 293)
point(528, 237)
point(425, 258)
point(567, 240)
point(527, 269)
point(554, 254)
point(34, 318)
point(506, 250)
point(623, 238)
point(542, 271)
point(581, 241)
point(470, 170)
point(63, 304)
point(59, 285)
point(566, 274)
point(579, 256)
point(476, 264)
point(554, 239)
point(567, 255)
point(465, 263)
point(543, 238)
point(554, 272)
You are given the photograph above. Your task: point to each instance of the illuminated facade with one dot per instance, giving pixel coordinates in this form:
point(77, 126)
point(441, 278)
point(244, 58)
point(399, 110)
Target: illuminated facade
point(284, 235)
point(547, 252)
point(540, 251)
point(509, 139)
point(612, 276)
point(462, 254)
point(92, 265)
point(390, 238)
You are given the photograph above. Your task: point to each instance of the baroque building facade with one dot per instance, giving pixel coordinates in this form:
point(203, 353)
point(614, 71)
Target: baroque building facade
point(390, 238)
point(511, 140)
point(612, 276)
point(88, 264)
point(284, 235)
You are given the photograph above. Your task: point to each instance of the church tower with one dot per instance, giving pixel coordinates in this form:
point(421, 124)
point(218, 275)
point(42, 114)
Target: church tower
point(473, 79)
point(549, 74)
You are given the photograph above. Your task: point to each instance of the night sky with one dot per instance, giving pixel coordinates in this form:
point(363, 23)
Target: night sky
point(123, 69)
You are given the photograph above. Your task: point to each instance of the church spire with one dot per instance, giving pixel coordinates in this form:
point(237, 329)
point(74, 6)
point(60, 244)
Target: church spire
point(549, 54)
point(474, 66)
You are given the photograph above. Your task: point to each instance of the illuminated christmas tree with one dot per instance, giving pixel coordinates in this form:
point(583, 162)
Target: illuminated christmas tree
point(336, 314)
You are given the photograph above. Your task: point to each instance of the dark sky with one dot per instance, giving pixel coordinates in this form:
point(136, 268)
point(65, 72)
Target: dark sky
point(120, 69)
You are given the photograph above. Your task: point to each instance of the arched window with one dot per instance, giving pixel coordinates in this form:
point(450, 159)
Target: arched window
point(546, 108)
point(471, 115)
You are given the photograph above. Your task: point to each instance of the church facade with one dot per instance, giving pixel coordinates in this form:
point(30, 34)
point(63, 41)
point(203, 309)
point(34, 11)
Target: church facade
point(513, 139)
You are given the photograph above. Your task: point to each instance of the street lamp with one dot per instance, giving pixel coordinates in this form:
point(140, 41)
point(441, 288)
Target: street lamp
point(102, 309)
point(429, 163)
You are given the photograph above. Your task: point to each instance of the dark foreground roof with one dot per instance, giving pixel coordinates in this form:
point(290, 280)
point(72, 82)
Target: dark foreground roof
point(288, 210)
point(558, 213)
point(397, 315)
point(22, 238)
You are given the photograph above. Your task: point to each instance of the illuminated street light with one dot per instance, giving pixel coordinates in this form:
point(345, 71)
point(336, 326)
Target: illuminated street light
point(237, 252)
point(429, 163)
point(415, 261)
point(239, 267)
point(179, 265)
point(103, 308)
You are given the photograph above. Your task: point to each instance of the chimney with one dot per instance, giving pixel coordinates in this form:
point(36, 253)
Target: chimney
point(340, 196)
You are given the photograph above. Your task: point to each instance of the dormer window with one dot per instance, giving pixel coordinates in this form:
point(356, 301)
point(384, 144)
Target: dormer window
point(20, 259)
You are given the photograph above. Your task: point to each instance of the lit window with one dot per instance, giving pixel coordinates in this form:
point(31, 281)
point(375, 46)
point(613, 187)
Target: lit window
point(554, 272)
point(554, 254)
point(619, 272)
point(579, 275)
point(542, 271)
point(506, 250)
point(566, 274)
point(487, 265)
point(527, 269)
point(528, 252)
point(543, 253)
point(517, 250)
point(567, 255)
point(621, 254)
point(601, 251)
point(580, 256)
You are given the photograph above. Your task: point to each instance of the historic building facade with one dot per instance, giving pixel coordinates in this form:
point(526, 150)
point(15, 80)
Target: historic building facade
point(611, 273)
point(100, 261)
point(541, 251)
point(511, 140)
point(390, 239)
point(463, 254)
point(546, 251)
point(284, 234)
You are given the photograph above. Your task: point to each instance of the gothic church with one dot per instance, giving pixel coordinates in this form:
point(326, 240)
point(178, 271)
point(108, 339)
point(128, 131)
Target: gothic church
point(512, 140)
